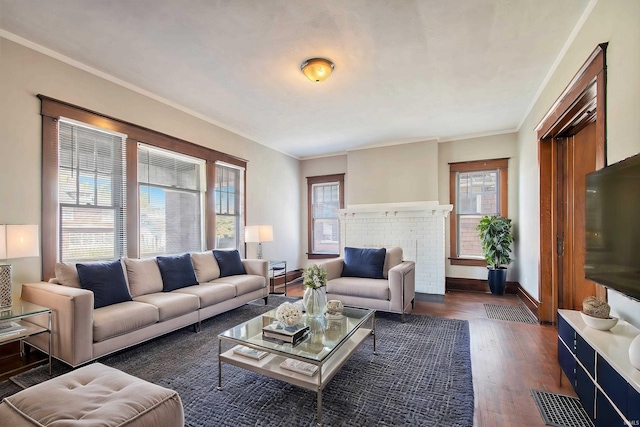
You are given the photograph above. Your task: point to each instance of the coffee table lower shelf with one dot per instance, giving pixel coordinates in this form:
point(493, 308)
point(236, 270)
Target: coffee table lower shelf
point(270, 365)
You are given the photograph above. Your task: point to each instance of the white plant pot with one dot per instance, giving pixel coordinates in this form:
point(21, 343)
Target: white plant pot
point(634, 352)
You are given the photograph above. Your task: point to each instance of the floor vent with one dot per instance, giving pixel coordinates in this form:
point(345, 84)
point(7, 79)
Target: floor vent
point(560, 410)
point(514, 313)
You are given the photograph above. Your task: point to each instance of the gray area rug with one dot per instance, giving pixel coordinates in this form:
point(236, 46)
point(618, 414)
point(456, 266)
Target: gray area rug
point(513, 313)
point(421, 376)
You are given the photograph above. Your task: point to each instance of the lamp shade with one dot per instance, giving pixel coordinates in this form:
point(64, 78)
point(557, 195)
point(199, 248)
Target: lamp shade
point(22, 241)
point(317, 69)
point(258, 233)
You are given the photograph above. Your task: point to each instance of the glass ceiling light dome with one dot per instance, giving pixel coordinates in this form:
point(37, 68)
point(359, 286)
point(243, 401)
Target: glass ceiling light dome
point(317, 69)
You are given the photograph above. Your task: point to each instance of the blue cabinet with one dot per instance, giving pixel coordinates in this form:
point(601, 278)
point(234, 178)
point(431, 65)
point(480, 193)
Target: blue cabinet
point(607, 391)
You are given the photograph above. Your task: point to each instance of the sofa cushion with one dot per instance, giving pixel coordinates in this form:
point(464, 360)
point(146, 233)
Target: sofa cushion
point(106, 281)
point(67, 274)
point(144, 276)
point(392, 258)
point(119, 319)
point(171, 304)
point(206, 266)
point(229, 262)
point(210, 293)
point(359, 287)
point(366, 263)
point(243, 283)
point(177, 272)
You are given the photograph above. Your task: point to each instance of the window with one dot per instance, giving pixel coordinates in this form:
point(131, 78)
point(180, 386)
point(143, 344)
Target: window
point(111, 188)
point(171, 194)
point(92, 190)
point(229, 198)
point(477, 189)
point(325, 196)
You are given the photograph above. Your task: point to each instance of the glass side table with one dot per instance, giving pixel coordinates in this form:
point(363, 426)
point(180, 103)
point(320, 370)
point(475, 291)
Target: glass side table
point(16, 326)
point(277, 269)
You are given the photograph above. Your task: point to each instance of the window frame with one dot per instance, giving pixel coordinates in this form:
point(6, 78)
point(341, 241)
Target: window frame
point(311, 181)
point(52, 110)
point(239, 194)
point(502, 166)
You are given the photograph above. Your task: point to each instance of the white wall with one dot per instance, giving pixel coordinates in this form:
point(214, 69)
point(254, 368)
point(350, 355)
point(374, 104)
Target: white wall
point(487, 147)
point(616, 22)
point(397, 173)
point(273, 183)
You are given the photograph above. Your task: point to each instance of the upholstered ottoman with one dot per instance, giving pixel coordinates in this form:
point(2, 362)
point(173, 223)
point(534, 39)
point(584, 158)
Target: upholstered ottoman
point(94, 395)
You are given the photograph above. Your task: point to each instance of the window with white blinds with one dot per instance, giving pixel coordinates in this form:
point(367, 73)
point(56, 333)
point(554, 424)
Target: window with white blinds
point(92, 193)
point(229, 206)
point(171, 193)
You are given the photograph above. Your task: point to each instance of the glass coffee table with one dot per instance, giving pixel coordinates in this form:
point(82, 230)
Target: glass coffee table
point(330, 343)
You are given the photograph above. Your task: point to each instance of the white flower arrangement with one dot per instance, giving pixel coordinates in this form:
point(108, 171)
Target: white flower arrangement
point(315, 276)
point(288, 314)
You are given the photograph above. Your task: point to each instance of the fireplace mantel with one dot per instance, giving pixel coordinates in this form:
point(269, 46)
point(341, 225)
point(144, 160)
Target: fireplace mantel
point(397, 209)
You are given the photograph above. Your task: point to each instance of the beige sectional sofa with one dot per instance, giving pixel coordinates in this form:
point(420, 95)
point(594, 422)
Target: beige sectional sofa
point(393, 292)
point(82, 332)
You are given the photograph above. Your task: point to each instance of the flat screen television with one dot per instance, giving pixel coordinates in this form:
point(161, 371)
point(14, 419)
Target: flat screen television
point(613, 227)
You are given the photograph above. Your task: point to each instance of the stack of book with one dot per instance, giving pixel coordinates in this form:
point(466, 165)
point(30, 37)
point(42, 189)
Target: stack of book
point(251, 353)
point(8, 329)
point(274, 332)
point(299, 367)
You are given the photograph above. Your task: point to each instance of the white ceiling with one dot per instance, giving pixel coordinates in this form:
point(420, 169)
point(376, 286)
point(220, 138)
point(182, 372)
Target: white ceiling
point(405, 70)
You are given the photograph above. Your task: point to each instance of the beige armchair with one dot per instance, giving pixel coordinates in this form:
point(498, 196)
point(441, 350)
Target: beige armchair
point(395, 293)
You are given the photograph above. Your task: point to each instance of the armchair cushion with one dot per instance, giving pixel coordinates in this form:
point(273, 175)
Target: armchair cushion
point(106, 281)
point(365, 263)
point(176, 271)
point(229, 262)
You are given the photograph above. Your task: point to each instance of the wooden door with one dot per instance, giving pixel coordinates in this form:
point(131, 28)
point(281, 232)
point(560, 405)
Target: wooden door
point(578, 159)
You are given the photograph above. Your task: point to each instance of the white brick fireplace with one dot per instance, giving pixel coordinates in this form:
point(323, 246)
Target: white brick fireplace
point(417, 227)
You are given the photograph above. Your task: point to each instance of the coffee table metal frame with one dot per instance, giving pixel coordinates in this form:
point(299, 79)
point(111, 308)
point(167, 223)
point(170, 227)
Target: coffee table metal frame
point(329, 361)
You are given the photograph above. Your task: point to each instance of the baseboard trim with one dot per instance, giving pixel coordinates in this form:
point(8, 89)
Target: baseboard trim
point(477, 285)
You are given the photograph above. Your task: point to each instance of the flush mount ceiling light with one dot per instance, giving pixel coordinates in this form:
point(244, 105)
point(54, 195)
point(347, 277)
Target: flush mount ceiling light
point(317, 69)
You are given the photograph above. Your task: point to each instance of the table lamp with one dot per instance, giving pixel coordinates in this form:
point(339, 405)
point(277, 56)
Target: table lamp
point(16, 241)
point(258, 234)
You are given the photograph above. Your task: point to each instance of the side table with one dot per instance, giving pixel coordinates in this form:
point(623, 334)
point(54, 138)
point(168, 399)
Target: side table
point(16, 315)
point(277, 269)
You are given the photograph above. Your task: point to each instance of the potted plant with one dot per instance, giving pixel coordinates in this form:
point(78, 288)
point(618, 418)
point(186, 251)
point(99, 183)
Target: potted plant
point(496, 240)
point(314, 280)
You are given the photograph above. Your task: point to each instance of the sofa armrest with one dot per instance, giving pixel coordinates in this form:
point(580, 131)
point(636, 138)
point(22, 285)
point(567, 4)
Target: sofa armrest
point(72, 320)
point(334, 268)
point(402, 286)
point(258, 267)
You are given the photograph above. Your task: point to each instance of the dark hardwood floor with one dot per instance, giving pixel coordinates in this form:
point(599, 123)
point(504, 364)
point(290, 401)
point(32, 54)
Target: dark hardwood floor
point(508, 358)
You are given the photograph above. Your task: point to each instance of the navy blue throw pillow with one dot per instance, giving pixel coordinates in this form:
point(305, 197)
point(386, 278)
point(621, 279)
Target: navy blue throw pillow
point(106, 281)
point(229, 262)
point(176, 271)
point(367, 263)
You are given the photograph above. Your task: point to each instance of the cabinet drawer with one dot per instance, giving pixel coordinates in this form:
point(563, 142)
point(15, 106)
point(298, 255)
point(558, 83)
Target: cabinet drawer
point(567, 334)
point(586, 355)
point(567, 362)
point(606, 415)
point(613, 384)
point(586, 391)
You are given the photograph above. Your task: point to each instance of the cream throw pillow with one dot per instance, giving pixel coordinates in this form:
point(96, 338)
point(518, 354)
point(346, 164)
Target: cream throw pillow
point(67, 274)
point(144, 276)
point(206, 266)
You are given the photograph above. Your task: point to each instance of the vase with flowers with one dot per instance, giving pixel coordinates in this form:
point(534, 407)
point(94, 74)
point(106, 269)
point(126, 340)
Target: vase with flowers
point(315, 293)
